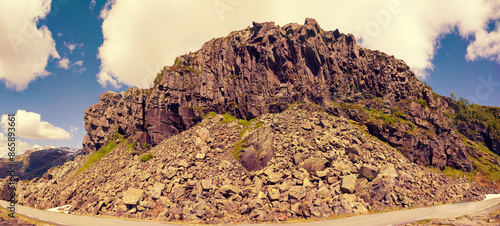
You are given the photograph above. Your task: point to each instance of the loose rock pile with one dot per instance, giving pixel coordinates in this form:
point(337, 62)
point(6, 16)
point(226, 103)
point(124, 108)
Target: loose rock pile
point(294, 164)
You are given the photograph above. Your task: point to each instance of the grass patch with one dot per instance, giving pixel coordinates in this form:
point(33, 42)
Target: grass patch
point(210, 114)
point(335, 104)
point(145, 146)
point(244, 122)
point(448, 171)
point(228, 118)
point(146, 157)
point(380, 115)
point(4, 214)
point(96, 156)
point(422, 102)
point(130, 146)
point(486, 171)
point(238, 146)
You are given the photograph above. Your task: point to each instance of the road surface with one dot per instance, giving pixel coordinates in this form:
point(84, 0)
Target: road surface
point(382, 219)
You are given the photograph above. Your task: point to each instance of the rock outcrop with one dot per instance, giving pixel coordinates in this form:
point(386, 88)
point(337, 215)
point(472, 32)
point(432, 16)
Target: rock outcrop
point(307, 164)
point(264, 68)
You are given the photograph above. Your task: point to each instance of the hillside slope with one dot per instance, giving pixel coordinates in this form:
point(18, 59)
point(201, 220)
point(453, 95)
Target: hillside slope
point(292, 164)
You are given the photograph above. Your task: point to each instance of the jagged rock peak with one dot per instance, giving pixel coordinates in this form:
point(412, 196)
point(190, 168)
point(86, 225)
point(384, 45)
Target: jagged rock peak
point(262, 69)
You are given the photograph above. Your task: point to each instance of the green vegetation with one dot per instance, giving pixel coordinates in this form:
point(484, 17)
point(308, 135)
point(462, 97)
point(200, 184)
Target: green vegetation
point(244, 122)
point(146, 157)
point(210, 114)
point(465, 111)
point(96, 156)
point(158, 77)
point(435, 96)
point(422, 102)
point(238, 146)
point(145, 146)
point(131, 145)
point(486, 171)
point(448, 171)
point(379, 115)
point(177, 62)
point(228, 118)
point(335, 104)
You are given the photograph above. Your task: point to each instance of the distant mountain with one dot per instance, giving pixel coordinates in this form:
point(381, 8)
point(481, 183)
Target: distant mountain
point(34, 163)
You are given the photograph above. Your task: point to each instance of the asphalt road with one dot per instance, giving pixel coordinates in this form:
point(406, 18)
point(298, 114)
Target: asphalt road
point(383, 219)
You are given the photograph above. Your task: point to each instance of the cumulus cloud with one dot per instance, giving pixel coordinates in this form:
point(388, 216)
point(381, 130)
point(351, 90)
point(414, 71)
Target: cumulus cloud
point(79, 63)
point(29, 125)
point(20, 146)
point(63, 63)
point(73, 46)
point(24, 48)
point(155, 32)
point(486, 45)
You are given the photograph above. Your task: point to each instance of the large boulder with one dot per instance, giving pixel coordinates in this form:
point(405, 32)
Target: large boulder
point(259, 149)
point(132, 196)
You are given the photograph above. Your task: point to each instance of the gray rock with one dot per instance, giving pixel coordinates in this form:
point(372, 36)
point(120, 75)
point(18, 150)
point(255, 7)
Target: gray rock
point(132, 196)
point(348, 183)
point(314, 164)
point(207, 184)
point(369, 171)
point(273, 193)
point(228, 188)
point(157, 190)
point(297, 192)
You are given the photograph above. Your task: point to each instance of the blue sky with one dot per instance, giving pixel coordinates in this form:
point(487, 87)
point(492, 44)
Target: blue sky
point(57, 57)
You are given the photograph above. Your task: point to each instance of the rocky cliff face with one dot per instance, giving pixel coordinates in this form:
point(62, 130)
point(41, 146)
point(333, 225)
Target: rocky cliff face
point(264, 68)
point(294, 164)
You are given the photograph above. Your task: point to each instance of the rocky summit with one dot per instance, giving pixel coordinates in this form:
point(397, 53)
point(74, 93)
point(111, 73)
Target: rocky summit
point(293, 164)
point(265, 67)
point(274, 123)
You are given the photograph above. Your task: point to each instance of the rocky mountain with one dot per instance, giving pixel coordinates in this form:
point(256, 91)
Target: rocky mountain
point(34, 163)
point(293, 164)
point(265, 67)
point(272, 123)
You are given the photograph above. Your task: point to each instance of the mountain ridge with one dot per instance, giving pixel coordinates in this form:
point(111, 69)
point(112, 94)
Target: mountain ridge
point(263, 68)
point(35, 162)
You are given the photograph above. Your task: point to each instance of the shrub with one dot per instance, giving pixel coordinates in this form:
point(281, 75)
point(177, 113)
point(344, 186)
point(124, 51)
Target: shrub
point(422, 102)
point(228, 118)
point(466, 111)
point(146, 157)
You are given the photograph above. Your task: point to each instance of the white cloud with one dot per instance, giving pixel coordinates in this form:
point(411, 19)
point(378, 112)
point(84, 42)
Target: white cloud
point(24, 48)
point(20, 146)
point(59, 34)
point(153, 33)
point(79, 63)
point(29, 125)
point(73, 46)
point(92, 5)
point(64, 63)
point(486, 45)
